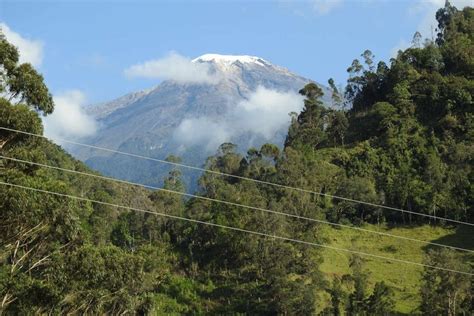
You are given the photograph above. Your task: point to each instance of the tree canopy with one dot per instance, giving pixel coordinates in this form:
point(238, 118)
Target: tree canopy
point(406, 140)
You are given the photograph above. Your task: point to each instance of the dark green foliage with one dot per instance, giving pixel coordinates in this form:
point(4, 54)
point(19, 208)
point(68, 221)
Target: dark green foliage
point(349, 294)
point(21, 82)
point(335, 96)
point(337, 128)
point(308, 128)
point(338, 298)
point(27, 85)
point(414, 119)
point(254, 275)
point(444, 292)
point(381, 301)
point(357, 302)
point(362, 189)
point(405, 142)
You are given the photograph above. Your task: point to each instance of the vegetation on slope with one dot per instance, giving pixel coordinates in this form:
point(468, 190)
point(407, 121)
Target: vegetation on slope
point(407, 141)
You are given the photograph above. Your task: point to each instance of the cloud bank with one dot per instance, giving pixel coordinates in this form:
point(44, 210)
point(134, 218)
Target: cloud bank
point(173, 67)
point(69, 119)
point(31, 51)
point(264, 113)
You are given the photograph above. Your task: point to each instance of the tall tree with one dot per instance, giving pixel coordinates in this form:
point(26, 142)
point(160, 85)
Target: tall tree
point(445, 292)
point(311, 122)
point(380, 302)
point(357, 303)
point(416, 40)
point(21, 82)
point(338, 297)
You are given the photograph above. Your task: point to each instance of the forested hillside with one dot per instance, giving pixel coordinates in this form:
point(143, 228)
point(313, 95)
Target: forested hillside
point(405, 140)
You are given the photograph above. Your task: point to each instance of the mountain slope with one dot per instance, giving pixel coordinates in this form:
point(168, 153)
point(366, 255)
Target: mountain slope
point(192, 119)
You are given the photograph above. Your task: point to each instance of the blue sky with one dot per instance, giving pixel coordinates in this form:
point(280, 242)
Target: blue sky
point(86, 46)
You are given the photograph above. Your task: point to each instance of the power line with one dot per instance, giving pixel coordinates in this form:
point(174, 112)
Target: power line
point(234, 204)
point(282, 186)
point(235, 228)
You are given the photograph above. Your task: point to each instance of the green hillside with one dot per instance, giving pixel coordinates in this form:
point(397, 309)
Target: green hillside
point(405, 139)
point(404, 279)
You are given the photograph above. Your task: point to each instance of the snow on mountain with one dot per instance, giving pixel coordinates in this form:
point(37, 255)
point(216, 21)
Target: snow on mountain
point(248, 105)
point(230, 59)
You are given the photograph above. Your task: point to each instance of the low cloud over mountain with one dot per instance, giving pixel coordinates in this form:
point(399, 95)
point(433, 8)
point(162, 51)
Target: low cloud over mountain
point(173, 67)
point(263, 114)
point(69, 119)
point(201, 103)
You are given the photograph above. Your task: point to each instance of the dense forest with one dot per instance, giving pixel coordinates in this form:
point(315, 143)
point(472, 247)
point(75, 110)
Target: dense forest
point(405, 138)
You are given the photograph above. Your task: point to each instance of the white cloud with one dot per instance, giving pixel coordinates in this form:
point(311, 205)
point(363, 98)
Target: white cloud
point(323, 7)
point(69, 119)
point(202, 131)
point(264, 113)
point(173, 67)
point(31, 51)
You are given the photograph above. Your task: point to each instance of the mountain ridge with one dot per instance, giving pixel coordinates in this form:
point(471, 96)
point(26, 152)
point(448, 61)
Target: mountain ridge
point(130, 97)
point(192, 119)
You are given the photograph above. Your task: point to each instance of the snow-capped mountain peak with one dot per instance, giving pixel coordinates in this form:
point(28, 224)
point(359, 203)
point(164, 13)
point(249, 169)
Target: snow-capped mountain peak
point(191, 120)
point(230, 59)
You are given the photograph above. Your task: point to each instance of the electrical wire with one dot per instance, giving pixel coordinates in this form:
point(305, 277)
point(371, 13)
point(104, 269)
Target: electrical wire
point(282, 186)
point(233, 204)
point(237, 229)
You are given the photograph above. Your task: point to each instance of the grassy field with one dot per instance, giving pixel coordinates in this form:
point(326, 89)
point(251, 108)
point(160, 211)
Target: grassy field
point(403, 278)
